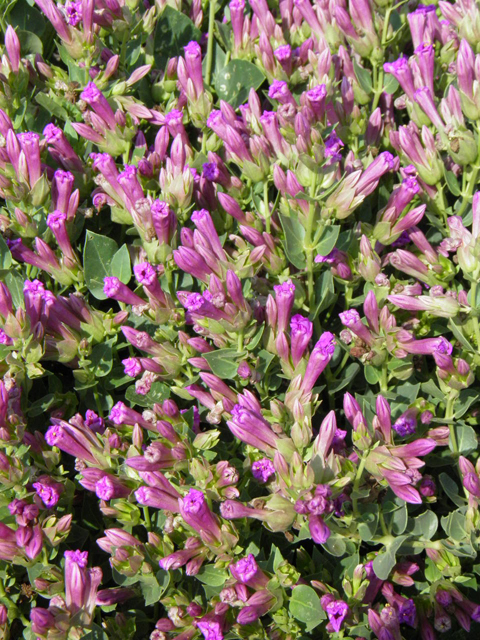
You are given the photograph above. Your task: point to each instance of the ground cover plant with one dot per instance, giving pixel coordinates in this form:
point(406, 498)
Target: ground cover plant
point(239, 319)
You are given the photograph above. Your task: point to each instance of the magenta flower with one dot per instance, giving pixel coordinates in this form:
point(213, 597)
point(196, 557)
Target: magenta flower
point(263, 469)
point(319, 358)
point(48, 492)
point(210, 629)
point(337, 611)
point(406, 424)
point(196, 513)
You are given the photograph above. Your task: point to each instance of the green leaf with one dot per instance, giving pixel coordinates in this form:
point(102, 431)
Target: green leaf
point(120, 266)
point(454, 525)
point(51, 106)
point(328, 240)
point(96, 633)
point(397, 519)
point(390, 84)
point(452, 183)
point(458, 333)
point(465, 400)
point(424, 525)
point(158, 393)
point(384, 562)
point(369, 521)
point(26, 18)
point(151, 590)
point(364, 77)
point(212, 576)
point(294, 240)
point(97, 259)
point(5, 255)
point(102, 360)
point(265, 358)
point(372, 374)
point(224, 362)
point(466, 439)
point(431, 389)
point(324, 292)
point(218, 61)
point(335, 545)
point(174, 30)
point(346, 378)
point(29, 42)
point(451, 489)
point(305, 606)
point(14, 282)
point(233, 82)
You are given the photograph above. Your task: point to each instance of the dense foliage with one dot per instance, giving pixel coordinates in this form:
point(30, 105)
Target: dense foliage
point(239, 313)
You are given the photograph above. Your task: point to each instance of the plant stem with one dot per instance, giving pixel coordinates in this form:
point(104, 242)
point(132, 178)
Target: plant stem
point(448, 416)
point(473, 180)
point(240, 341)
point(309, 245)
point(383, 526)
point(96, 395)
point(384, 378)
point(211, 25)
point(356, 483)
point(473, 302)
point(266, 206)
point(148, 522)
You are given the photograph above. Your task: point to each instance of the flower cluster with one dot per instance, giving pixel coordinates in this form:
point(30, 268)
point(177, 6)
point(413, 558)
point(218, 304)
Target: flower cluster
point(239, 319)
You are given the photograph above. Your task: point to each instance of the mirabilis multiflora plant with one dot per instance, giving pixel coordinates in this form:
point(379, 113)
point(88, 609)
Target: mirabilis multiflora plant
point(239, 319)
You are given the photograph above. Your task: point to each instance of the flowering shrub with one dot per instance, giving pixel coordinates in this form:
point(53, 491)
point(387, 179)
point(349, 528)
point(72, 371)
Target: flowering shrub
point(239, 314)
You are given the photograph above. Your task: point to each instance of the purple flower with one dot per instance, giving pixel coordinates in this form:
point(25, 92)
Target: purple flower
point(407, 613)
point(49, 494)
point(211, 629)
point(472, 484)
point(427, 487)
point(246, 568)
point(132, 367)
point(194, 502)
point(197, 514)
point(301, 331)
point(80, 558)
point(333, 144)
point(211, 171)
point(349, 317)
point(114, 288)
point(252, 428)
point(263, 469)
point(319, 358)
point(406, 424)
point(337, 611)
point(318, 529)
point(74, 13)
point(94, 422)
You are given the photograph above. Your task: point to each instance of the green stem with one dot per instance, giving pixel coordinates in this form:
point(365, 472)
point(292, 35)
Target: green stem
point(441, 206)
point(240, 341)
point(211, 25)
point(96, 395)
point(266, 206)
point(384, 378)
point(2, 590)
point(148, 522)
point(378, 86)
point(309, 246)
point(472, 181)
point(356, 484)
point(448, 416)
point(473, 302)
point(383, 526)
point(344, 361)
